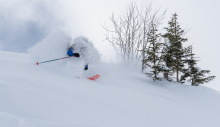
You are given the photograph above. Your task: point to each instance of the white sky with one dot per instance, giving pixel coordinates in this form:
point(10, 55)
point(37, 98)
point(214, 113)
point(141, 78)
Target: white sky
point(23, 22)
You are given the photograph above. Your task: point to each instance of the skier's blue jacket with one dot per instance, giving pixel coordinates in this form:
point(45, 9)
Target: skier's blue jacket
point(71, 53)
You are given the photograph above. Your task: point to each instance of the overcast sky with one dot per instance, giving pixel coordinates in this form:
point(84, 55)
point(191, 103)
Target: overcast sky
point(24, 22)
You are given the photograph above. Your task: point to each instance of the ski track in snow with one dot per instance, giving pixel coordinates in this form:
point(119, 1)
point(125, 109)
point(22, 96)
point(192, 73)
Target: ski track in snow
point(43, 96)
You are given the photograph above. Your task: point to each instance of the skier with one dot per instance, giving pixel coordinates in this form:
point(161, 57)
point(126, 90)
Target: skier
point(78, 49)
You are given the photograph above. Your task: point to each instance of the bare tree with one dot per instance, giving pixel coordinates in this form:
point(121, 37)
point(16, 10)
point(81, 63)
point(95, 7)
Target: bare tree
point(125, 33)
point(128, 33)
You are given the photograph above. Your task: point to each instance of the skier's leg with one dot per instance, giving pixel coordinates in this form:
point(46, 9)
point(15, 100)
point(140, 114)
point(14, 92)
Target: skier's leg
point(86, 67)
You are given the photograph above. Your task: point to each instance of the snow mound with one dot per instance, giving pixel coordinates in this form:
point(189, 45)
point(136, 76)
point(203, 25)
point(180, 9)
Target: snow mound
point(36, 96)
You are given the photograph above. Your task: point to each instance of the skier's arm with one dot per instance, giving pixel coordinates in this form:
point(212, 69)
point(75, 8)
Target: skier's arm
point(71, 53)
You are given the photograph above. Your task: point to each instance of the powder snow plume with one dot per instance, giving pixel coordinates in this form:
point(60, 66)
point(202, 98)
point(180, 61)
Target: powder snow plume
point(56, 46)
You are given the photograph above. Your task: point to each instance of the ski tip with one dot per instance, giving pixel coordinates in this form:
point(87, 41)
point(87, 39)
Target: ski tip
point(94, 77)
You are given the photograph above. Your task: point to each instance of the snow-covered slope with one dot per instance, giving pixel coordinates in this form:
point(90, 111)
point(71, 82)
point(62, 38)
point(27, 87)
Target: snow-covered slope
point(43, 96)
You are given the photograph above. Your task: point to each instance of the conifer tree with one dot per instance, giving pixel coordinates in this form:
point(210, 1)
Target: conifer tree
point(199, 77)
point(191, 62)
point(175, 51)
point(153, 58)
point(167, 59)
point(194, 74)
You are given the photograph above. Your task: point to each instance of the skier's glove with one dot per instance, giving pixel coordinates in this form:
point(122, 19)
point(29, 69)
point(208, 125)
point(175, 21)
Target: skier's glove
point(76, 55)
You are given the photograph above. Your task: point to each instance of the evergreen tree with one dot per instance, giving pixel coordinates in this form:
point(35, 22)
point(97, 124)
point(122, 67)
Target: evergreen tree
point(167, 59)
point(153, 58)
point(194, 74)
point(199, 77)
point(190, 61)
point(175, 52)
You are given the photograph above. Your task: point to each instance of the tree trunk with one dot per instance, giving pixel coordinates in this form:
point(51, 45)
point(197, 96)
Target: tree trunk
point(177, 75)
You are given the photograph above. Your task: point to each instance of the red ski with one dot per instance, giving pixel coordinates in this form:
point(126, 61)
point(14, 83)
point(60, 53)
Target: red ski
point(94, 77)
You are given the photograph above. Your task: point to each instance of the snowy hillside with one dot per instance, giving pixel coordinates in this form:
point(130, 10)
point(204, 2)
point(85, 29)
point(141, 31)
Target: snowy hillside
point(43, 96)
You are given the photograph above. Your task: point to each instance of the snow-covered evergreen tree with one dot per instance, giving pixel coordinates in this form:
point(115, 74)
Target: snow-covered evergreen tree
point(153, 55)
point(194, 74)
point(175, 52)
point(167, 59)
